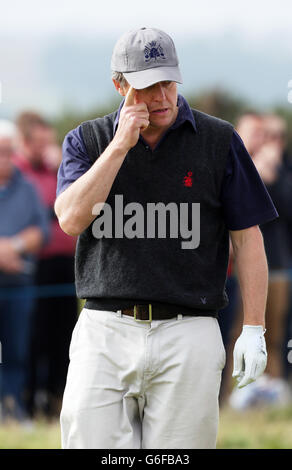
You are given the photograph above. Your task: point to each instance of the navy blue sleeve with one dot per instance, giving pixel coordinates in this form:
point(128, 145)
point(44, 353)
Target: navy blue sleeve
point(245, 199)
point(75, 161)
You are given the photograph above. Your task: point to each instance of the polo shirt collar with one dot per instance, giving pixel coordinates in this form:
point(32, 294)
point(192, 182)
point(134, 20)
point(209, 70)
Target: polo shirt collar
point(184, 114)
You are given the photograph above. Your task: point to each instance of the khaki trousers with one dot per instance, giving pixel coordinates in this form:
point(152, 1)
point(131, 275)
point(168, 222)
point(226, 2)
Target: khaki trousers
point(133, 385)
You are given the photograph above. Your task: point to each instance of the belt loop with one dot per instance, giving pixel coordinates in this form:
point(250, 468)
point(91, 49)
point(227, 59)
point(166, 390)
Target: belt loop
point(119, 313)
point(179, 316)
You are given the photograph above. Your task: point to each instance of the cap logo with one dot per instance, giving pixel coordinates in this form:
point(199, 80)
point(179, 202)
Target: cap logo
point(153, 51)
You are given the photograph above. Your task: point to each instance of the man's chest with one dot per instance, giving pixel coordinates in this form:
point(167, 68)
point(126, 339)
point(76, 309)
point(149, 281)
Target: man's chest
point(178, 174)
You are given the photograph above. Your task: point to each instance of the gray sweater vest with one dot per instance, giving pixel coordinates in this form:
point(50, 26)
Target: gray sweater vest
point(119, 271)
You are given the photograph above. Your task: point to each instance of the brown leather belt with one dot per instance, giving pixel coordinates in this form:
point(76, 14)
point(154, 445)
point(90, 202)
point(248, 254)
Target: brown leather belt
point(147, 312)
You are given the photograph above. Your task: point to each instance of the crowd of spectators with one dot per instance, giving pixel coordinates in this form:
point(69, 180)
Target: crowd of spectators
point(265, 138)
point(38, 305)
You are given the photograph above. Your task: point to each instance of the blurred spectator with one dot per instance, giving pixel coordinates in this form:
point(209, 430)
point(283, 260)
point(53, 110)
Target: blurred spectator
point(270, 165)
point(23, 230)
point(55, 314)
point(52, 154)
point(252, 131)
point(276, 129)
point(265, 138)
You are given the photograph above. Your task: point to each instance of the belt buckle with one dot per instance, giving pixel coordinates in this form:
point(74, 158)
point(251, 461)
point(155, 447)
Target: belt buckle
point(149, 320)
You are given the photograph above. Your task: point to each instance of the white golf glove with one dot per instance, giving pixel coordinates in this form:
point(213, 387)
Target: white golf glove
point(249, 355)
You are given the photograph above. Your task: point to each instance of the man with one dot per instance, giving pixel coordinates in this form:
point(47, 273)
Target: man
point(23, 232)
point(253, 130)
point(147, 353)
point(56, 308)
point(270, 161)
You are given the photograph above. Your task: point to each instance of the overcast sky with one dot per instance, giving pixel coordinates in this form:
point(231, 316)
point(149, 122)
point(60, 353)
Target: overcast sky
point(255, 18)
point(41, 41)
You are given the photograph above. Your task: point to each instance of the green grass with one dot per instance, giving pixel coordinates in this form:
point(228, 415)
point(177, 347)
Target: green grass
point(41, 435)
point(268, 428)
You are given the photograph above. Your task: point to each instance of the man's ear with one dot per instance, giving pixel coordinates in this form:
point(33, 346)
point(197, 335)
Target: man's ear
point(121, 89)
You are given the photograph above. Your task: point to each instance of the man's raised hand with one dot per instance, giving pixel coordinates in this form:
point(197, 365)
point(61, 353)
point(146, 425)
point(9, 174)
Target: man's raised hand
point(134, 117)
point(130, 97)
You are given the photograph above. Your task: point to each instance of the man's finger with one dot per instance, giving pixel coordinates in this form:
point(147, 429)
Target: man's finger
point(237, 363)
point(245, 381)
point(130, 96)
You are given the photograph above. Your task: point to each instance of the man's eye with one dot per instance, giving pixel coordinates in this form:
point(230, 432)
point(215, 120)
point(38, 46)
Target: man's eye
point(165, 83)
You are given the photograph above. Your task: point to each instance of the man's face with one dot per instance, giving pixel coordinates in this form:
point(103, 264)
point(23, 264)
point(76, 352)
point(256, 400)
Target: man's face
point(251, 130)
point(161, 101)
point(275, 128)
point(36, 144)
point(6, 152)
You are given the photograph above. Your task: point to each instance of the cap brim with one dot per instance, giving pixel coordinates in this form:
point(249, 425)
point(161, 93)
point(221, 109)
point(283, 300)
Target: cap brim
point(145, 78)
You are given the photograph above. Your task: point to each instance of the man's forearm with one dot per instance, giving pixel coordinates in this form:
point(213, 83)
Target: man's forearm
point(74, 206)
point(29, 240)
point(252, 271)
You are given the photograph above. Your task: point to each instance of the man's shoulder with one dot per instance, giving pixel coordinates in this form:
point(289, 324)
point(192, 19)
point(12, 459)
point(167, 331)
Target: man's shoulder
point(101, 121)
point(204, 120)
point(97, 134)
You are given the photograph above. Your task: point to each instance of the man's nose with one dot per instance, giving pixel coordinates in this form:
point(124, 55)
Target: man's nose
point(159, 92)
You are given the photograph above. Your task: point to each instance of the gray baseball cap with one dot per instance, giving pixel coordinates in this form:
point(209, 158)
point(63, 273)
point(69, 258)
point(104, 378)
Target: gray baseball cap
point(146, 56)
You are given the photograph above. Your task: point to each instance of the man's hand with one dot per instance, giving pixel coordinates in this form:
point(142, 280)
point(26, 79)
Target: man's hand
point(10, 260)
point(249, 355)
point(134, 117)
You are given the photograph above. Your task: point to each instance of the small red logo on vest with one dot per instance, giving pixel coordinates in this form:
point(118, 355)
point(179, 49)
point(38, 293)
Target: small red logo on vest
point(188, 180)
